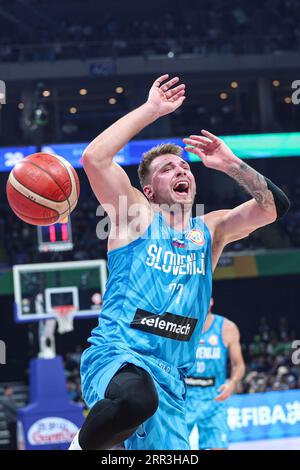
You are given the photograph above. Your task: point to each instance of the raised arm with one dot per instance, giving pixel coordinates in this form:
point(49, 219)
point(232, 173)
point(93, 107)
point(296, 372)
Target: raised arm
point(268, 203)
point(108, 180)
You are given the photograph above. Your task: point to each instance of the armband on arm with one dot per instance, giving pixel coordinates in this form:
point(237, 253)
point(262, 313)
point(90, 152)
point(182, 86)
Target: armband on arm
point(282, 202)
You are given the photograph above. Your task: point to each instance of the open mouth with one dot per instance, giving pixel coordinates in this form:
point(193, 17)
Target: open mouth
point(181, 187)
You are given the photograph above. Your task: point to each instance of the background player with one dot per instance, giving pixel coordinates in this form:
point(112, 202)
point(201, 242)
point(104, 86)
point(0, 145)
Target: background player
point(207, 388)
point(158, 292)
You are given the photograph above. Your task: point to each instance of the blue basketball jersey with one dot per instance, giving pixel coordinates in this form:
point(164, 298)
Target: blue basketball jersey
point(209, 370)
point(158, 293)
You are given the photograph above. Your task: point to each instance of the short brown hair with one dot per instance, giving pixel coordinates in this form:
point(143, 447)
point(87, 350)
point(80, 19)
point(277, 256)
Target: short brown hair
point(154, 152)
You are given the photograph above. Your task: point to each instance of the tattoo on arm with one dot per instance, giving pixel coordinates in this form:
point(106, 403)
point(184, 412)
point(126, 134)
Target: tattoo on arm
point(254, 183)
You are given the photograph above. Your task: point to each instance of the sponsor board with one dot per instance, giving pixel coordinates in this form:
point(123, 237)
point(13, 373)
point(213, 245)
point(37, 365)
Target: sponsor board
point(51, 430)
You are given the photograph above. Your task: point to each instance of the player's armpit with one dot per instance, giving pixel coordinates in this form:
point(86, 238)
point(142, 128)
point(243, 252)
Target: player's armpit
point(212, 220)
point(244, 219)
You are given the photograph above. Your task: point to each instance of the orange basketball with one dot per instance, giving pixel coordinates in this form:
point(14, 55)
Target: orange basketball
point(42, 189)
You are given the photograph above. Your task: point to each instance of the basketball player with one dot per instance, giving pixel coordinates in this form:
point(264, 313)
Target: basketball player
point(160, 263)
point(207, 388)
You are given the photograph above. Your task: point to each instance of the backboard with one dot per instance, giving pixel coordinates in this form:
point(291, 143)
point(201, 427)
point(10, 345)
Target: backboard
point(39, 288)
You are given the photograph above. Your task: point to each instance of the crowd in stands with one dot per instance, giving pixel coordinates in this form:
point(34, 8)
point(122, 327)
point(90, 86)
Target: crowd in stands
point(268, 360)
point(19, 244)
point(73, 30)
point(72, 373)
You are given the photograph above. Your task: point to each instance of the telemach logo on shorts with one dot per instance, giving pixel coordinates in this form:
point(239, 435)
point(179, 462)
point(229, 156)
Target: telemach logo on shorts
point(167, 325)
point(200, 381)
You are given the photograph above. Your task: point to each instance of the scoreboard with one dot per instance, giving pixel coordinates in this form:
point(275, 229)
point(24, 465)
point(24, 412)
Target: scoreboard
point(56, 237)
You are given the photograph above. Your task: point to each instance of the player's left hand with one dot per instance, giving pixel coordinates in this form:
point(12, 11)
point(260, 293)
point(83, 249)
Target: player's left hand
point(226, 390)
point(165, 95)
point(213, 151)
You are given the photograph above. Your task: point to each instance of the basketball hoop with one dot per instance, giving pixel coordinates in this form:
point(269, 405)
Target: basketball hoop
point(64, 315)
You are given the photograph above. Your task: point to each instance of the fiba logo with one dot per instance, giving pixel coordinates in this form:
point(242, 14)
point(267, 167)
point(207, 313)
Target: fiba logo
point(296, 354)
point(2, 353)
point(2, 92)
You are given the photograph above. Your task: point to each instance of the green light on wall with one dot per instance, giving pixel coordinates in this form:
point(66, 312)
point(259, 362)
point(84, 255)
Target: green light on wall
point(262, 145)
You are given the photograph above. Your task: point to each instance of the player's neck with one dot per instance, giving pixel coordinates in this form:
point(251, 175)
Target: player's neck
point(178, 220)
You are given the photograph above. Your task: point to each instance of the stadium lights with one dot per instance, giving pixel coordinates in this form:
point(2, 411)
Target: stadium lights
point(276, 83)
point(119, 89)
point(73, 110)
point(21, 105)
point(112, 100)
point(223, 96)
point(83, 91)
point(46, 93)
point(234, 84)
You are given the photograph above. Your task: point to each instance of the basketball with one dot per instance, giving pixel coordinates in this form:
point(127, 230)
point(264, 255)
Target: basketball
point(42, 189)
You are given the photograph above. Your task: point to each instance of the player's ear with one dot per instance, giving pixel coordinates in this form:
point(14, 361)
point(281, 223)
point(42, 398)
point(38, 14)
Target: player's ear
point(148, 191)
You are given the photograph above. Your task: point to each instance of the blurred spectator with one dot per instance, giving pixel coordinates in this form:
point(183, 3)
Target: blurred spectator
point(268, 359)
point(10, 415)
point(72, 391)
point(212, 27)
point(76, 356)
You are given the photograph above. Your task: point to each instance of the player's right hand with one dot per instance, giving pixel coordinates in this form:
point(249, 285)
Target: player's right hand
point(166, 97)
point(225, 391)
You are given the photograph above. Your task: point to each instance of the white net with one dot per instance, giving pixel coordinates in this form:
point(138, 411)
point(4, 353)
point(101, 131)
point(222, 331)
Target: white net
point(65, 318)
